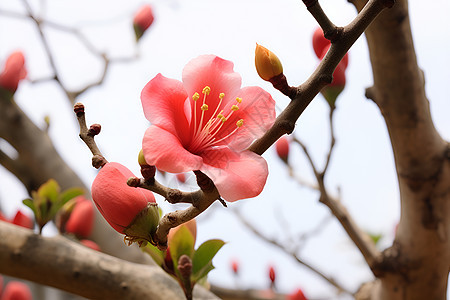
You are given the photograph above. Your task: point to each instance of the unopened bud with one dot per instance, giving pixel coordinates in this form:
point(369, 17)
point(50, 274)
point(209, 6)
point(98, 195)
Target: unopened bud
point(267, 63)
point(185, 266)
point(282, 148)
point(94, 129)
point(78, 108)
point(142, 21)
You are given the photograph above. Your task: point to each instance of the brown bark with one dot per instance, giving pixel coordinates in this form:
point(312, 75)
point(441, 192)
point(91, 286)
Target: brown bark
point(417, 265)
point(74, 268)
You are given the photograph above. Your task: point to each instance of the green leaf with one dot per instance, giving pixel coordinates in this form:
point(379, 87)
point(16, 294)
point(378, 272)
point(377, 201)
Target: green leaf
point(155, 253)
point(70, 194)
point(202, 262)
point(30, 204)
point(182, 242)
point(49, 190)
point(375, 237)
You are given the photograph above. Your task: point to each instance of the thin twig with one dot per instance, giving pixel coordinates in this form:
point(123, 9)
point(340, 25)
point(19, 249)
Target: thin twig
point(290, 253)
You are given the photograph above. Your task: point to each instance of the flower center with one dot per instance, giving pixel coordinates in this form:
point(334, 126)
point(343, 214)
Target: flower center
point(207, 133)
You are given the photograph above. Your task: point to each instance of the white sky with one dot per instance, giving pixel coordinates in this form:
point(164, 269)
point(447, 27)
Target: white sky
point(362, 164)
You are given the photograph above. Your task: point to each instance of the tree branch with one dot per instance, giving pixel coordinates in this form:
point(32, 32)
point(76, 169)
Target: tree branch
point(61, 263)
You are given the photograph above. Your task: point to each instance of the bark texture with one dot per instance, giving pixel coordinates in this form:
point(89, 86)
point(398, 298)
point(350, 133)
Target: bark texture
point(74, 268)
point(417, 265)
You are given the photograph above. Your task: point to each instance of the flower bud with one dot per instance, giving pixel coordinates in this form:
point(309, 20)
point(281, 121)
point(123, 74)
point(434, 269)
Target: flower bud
point(235, 266)
point(181, 177)
point(13, 72)
point(131, 211)
point(81, 220)
point(282, 148)
point(142, 21)
point(267, 63)
point(16, 290)
point(333, 90)
point(297, 295)
point(90, 244)
point(320, 43)
point(141, 159)
point(23, 220)
point(185, 266)
point(272, 275)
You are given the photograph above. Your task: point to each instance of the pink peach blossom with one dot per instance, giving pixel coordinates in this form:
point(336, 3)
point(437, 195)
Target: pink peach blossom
point(117, 202)
point(205, 123)
point(81, 219)
point(13, 72)
point(16, 290)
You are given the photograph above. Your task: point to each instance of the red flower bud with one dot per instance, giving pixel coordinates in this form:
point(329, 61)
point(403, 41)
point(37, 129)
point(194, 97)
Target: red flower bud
point(16, 290)
point(272, 274)
point(142, 20)
point(319, 42)
point(181, 177)
point(23, 220)
point(119, 203)
point(297, 295)
point(90, 244)
point(81, 219)
point(282, 148)
point(235, 266)
point(13, 72)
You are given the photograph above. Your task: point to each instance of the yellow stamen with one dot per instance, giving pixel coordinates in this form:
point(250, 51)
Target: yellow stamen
point(206, 90)
point(224, 119)
point(204, 107)
point(221, 95)
point(234, 108)
point(196, 96)
point(240, 123)
point(239, 100)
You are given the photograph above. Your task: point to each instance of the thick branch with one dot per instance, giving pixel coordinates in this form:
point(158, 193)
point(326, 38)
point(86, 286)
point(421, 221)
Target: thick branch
point(66, 265)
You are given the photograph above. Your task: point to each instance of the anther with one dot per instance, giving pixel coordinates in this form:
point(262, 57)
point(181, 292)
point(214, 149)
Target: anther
point(204, 107)
point(239, 100)
point(234, 108)
point(221, 95)
point(206, 90)
point(240, 123)
point(195, 96)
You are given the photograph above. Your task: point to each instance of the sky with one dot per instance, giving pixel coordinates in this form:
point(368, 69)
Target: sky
point(362, 168)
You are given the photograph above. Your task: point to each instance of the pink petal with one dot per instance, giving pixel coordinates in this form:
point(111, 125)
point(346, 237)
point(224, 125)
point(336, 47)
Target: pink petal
point(164, 150)
point(118, 203)
point(163, 100)
point(258, 112)
point(236, 175)
point(218, 74)
point(81, 220)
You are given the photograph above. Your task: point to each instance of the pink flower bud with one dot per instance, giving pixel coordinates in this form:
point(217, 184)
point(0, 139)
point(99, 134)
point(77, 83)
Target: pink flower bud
point(272, 274)
point(13, 72)
point(81, 220)
point(119, 203)
point(16, 290)
point(90, 244)
point(235, 266)
point(334, 89)
point(282, 148)
point(319, 42)
point(23, 220)
point(297, 295)
point(142, 20)
point(181, 177)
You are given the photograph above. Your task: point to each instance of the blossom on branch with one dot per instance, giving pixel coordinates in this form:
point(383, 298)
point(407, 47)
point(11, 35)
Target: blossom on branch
point(142, 21)
point(205, 123)
point(131, 211)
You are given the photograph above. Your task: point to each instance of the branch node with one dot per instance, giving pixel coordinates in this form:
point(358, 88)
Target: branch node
point(98, 161)
point(174, 196)
point(280, 83)
point(334, 34)
point(204, 182)
point(94, 130)
point(78, 108)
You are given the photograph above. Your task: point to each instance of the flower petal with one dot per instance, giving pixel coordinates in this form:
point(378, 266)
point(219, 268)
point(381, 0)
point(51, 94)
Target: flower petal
point(257, 110)
point(163, 100)
point(164, 150)
point(236, 175)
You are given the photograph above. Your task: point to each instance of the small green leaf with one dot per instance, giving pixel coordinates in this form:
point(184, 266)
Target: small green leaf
point(49, 190)
point(155, 253)
point(30, 204)
point(202, 261)
point(182, 242)
point(70, 194)
point(375, 237)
